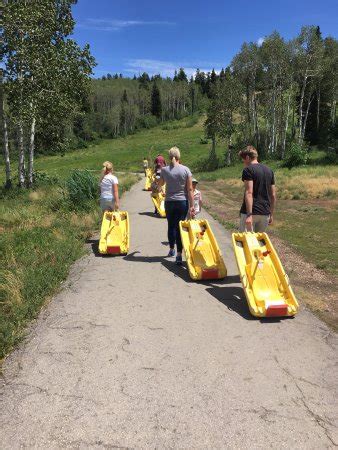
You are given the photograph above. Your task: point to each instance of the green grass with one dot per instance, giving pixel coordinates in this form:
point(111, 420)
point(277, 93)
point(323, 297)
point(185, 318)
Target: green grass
point(127, 153)
point(311, 230)
point(40, 237)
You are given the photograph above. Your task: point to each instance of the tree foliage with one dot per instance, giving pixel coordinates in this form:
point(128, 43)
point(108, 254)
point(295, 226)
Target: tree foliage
point(46, 75)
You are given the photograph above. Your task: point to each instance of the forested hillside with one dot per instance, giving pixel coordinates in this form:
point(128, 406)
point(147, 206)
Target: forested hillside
point(119, 106)
point(280, 95)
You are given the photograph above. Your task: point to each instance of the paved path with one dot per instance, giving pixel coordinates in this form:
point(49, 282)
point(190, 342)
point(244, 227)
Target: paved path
point(131, 354)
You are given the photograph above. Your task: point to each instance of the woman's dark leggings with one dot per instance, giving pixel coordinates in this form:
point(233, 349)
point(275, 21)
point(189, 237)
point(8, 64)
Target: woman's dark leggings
point(176, 210)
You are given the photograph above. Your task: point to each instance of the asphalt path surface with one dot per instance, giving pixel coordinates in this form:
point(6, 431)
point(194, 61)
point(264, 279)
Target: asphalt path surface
point(132, 354)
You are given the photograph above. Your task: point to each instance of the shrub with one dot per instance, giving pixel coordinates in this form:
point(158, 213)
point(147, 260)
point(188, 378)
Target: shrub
point(81, 188)
point(204, 141)
point(296, 155)
point(148, 121)
point(191, 121)
point(41, 178)
point(332, 155)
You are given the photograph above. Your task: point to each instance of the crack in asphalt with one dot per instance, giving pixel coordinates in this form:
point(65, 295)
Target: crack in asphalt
point(321, 422)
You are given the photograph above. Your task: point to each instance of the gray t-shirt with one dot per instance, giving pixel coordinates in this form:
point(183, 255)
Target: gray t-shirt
point(175, 178)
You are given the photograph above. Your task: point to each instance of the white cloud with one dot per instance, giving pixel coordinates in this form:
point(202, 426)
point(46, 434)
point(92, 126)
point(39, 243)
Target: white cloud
point(166, 68)
point(117, 25)
point(260, 41)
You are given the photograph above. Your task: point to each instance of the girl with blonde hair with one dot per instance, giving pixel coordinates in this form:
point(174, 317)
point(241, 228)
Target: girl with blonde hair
point(109, 192)
point(179, 199)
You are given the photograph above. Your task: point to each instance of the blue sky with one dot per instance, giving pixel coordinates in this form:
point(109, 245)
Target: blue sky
point(131, 36)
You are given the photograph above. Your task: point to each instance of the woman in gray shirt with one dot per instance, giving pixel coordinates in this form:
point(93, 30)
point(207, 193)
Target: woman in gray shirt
point(179, 195)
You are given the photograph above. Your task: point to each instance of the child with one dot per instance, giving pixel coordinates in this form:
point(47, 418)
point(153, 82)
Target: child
point(156, 188)
point(197, 197)
point(145, 165)
point(109, 193)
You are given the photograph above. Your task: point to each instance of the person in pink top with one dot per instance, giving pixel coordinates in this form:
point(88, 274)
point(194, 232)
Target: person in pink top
point(159, 162)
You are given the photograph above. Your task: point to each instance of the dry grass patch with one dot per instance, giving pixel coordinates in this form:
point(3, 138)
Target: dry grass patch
point(10, 288)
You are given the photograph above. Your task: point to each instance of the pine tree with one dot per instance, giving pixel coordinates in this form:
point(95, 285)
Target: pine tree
point(156, 104)
point(181, 75)
point(222, 75)
point(213, 77)
point(125, 96)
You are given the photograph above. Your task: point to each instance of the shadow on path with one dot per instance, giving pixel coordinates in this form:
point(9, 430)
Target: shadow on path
point(233, 298)
point(94, 243)
point(150, 214)
point(179, 271)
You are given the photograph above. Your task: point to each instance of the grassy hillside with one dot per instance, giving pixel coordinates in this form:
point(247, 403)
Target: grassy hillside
point(127, 153)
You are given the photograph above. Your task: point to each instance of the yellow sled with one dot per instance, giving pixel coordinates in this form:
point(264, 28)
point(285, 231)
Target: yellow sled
point(158, 200)
point(266, 285)
point(114, 239)
point(204, 258)
point(149, 179)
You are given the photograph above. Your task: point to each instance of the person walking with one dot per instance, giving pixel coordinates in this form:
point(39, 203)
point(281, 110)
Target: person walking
point(179, 199)
point(109, 192)
point(259, 195)
point(159, 163)
point(145, 166)
point(197, 197)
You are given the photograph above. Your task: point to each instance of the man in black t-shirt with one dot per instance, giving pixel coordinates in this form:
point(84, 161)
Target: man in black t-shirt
point(260, 193)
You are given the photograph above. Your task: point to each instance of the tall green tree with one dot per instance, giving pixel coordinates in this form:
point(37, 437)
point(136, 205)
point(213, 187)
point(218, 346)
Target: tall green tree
point(156, 103)
point(47, 73)
point(220, 123)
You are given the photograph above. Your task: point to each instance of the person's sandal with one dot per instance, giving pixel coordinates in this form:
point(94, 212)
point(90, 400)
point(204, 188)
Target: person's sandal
point(171, 252)
point(178, 260)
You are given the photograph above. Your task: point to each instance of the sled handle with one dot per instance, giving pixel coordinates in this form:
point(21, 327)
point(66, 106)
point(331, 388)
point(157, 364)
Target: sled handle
point(286, 276)
point(247, 281)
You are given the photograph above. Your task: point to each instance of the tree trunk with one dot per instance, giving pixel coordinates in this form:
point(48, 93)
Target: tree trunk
point(286, 127)
point(229, 153)
point(256, 120)
point(8, 183)
point(273, 128)
point(318, 108)
point(300, 132)
point(306, 116)
point(31, 153)
point(21, 165)
point(333, 112)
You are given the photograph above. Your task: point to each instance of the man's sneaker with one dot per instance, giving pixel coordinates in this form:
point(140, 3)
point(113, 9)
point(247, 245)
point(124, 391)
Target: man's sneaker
point(179, 260)
point(171, 252)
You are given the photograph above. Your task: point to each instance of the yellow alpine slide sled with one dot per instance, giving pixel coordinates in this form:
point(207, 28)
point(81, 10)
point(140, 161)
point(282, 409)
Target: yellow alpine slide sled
point(149, 179)
point(158, 200)
point(203, 256)
point(265, 283)
point(114, 238)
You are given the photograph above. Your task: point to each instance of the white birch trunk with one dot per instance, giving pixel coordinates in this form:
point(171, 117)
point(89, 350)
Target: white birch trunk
point(300, 132)
point(318, 108)
point(31, 153)
point(21, 165)
point(305, 118)
point(8, 183)
point(286, 126)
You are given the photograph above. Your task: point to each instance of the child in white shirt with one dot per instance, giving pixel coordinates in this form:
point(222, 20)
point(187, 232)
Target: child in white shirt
point(109, 198)
point(197, 197)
